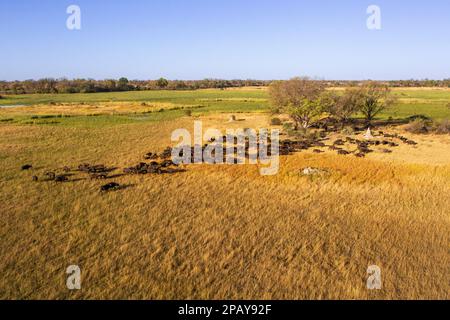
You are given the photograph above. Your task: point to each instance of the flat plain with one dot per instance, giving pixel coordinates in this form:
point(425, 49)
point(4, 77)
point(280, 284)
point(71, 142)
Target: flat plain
point(216, 231)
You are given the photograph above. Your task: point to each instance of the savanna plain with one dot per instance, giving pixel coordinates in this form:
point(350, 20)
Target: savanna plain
point(216, 231)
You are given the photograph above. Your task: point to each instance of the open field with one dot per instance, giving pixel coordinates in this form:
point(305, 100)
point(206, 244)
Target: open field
point(427, 101)
point(216, 231)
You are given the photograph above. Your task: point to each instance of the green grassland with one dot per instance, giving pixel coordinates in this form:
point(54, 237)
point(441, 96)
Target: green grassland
point(207, 98)
point(201, 102)
point(429, 102)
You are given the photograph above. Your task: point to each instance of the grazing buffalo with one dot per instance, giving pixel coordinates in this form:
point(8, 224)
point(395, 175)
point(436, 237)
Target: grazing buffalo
point(50, 175)
point(61, 178)
point(110, 187)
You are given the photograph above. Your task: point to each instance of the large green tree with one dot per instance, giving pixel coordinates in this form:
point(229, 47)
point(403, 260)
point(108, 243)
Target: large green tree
point(304, 100)
point(122, 84)
point(162, 83)
point(375, 97)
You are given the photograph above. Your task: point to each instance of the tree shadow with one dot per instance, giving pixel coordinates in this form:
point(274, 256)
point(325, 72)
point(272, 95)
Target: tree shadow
point(75, 180)
point(117, 175)
point(125, 186)
point(361, 124)
point(172, 171)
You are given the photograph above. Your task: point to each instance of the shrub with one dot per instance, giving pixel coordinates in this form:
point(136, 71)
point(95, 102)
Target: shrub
point(188, 113)
point(348, 130)
point(313, 135)
point(417, 126)
point(443, 127)
point(299, 133)
point(49, 116)
point(275, 110)
point(275, 121)
point(1, 96)
point(305, 134)
point(419, 117)
point(287, 126)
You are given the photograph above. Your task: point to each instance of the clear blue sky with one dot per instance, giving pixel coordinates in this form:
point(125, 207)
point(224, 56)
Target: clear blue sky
point(196, 39)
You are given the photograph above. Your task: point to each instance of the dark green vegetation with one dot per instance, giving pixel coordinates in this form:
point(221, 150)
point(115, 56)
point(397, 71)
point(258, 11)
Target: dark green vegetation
point(50, 85)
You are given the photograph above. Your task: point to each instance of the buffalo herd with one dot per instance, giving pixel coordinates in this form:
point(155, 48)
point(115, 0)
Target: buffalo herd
point(162, 164)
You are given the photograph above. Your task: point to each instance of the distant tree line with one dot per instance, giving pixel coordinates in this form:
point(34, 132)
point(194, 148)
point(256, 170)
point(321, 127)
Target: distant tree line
point(397, 83)
point(50, 85)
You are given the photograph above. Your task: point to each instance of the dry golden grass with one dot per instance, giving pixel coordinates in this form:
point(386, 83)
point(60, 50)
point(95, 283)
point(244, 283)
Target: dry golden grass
point(89, 109)
point(221, 232)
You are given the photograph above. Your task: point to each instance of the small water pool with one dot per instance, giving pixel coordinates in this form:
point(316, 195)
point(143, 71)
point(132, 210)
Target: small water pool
point(11, 105)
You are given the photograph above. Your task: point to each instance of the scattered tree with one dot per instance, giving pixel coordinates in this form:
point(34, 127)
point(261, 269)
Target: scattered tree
point(375, 97)
point(302, 99)
point(162, 83)
point(346, 105)
point(122, 84)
